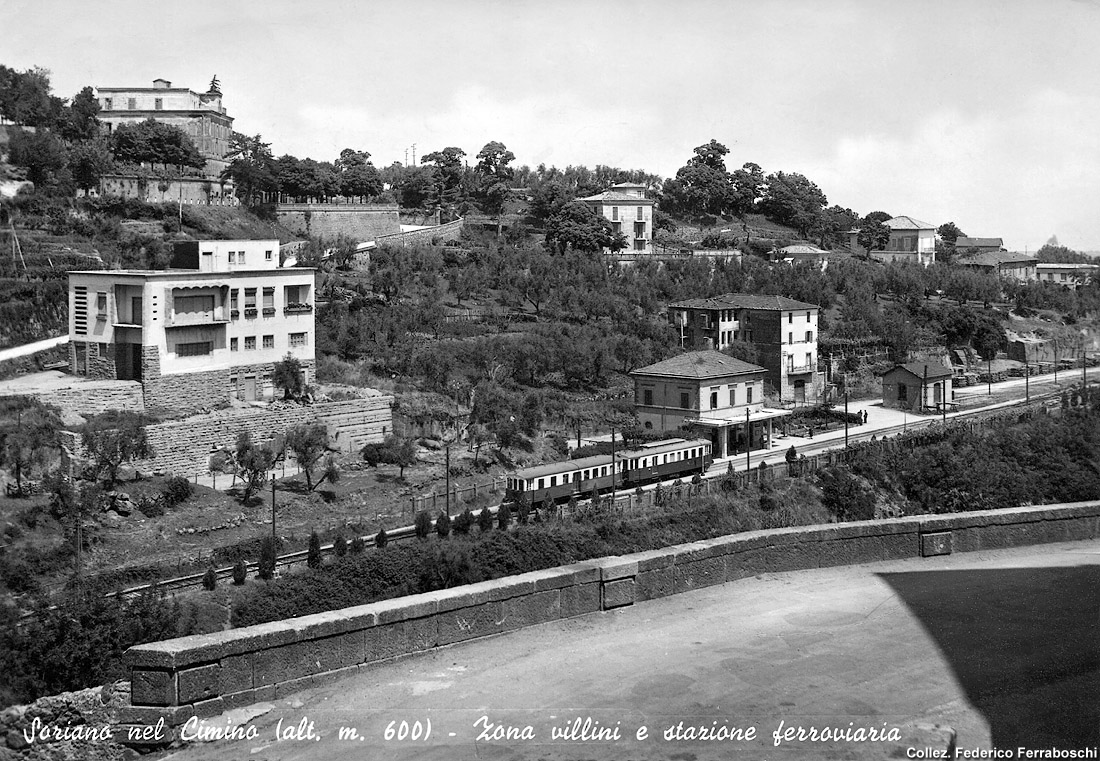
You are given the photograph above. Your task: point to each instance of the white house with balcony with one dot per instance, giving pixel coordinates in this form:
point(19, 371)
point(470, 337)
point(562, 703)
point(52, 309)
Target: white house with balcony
point(911, 241)
point(207, 329)
point(629, 212)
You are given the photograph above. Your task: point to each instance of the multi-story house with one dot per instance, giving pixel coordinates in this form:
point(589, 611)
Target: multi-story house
point(201, 115)
point(784, 332)
point(1067, 275)
point(629, 212)
point(967, 245)
point(911, 241)
point(709, 391)
point(1020, 267)
point(207, 329)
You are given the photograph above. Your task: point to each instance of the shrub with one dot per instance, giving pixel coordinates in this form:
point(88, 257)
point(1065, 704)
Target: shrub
point(504, 517)
point(357, 546)
point(846, 496)
point(313, 554)
point(463, 522)
point(423, 524)
point(381, 538)
point(240, 572)
point(267, 558)
point(177, 490)
point(209, 580)
point(152, 507)
point(339, 545)
point(443, 525)
point(485, 520)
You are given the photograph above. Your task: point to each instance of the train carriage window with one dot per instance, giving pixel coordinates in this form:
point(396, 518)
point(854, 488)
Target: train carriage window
point(553, 481)
point(576, 476)
point(584, 476)
point(540, 483)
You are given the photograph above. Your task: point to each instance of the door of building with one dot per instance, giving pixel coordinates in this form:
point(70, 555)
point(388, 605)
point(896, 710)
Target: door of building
point(800, 391)
point(250, 388)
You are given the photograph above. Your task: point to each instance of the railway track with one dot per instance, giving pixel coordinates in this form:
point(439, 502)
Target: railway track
point(407, 533)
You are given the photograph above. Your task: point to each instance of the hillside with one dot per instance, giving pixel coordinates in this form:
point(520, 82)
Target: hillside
point(48, 237)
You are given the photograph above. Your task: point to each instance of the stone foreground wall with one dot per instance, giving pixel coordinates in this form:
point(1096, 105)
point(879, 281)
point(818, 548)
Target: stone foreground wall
point(207, 674)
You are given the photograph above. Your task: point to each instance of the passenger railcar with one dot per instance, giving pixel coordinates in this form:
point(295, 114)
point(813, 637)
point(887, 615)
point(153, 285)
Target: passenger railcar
point(557, 482)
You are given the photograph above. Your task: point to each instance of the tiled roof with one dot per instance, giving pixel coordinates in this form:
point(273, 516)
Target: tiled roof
point(743, 301)
point(962, 242)
point(993, 258)
point(907, 223)
point(928, 370)
point(699, 364)
point(615, 195)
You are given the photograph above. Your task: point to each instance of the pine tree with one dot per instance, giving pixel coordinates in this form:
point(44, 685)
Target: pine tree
point(313, 555)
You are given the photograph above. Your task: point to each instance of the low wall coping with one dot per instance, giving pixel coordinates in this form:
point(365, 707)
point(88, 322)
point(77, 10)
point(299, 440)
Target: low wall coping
point(208, 648)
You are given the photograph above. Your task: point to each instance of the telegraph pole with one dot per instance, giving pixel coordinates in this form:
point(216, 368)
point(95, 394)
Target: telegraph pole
point(1027, 381)
point(274, 541)
point(614, 471)
point(748, 443)
point(845, 418)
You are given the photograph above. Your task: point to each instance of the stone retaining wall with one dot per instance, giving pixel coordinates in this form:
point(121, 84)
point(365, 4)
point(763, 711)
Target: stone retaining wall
point(446, 232)
point(87, 397)
point(207, 674)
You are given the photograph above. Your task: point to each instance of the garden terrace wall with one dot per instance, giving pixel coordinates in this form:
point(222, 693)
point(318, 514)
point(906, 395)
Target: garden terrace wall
point(207, 674)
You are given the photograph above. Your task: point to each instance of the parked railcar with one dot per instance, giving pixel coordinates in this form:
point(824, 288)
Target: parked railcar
point(556, 482)
point(662, 460)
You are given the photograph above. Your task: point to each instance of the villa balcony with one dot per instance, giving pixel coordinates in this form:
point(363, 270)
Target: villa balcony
point(189, 319)
point(801, 369)
point(297, 309)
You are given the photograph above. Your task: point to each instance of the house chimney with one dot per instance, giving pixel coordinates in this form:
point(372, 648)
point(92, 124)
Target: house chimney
point(161, 84)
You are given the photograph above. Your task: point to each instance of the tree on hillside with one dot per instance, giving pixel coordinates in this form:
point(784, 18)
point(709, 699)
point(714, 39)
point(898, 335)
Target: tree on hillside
point(113, 438)
point(88, 162)
point(153, 142)
point(358, 177)
point(1055, 253)
point(744, 351)
point(79, 120)
point(253, 461)
point(947, 234)
point(989, 338)
point(310, 444)
point(793, 200)
point(702, 185)
point(392, 451)
point(449, 174)
point(549, 198)
point(748, 188)
point(29, 435)
point(578, 227)
point(494, 179)
point(251, 167)
point(287, 375)
point(873, 235)
point(25, 98)
point(45, 158)
point(836, 222)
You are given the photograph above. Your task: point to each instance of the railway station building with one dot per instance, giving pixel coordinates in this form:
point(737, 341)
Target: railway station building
point(711, 394)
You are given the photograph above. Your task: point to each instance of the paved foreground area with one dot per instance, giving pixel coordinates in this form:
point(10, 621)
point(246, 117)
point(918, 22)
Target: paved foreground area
point(1003, 646)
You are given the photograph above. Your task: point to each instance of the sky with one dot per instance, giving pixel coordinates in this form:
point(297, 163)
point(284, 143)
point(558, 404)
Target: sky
point(981, 112)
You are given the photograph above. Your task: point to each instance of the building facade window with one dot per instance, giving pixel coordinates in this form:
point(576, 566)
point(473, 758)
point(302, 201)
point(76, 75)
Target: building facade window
point(158, 103)
point(298, 339)
point(249, 343)
point(269, 342)
point(108, 104)
point(748, 395)
point(232, 257)
point(267, 256)
point(232, 344)
point(131, 104)
point(101, 302)
point(614, 213)
point(249, 298)
point(733, 397)
point(647, 397)
point(193, 349)
point(809, 336)
point(684, 403)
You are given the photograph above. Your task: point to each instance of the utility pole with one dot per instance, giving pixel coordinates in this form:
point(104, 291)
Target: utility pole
point(748, 443)
point(989, 376)
point(614, 466)
point(274, 541)
point(447, 503)
point(1027, 381)
point(845, 418)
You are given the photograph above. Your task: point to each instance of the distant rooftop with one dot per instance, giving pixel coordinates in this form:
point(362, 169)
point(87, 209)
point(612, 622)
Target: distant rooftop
point(907, 223)
point(993, 258)
point(964, 242)
point(743, 301)
point(929, 370)
point(699, 364)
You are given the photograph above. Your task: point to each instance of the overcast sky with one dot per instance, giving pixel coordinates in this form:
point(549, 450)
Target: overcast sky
point(983, 112)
